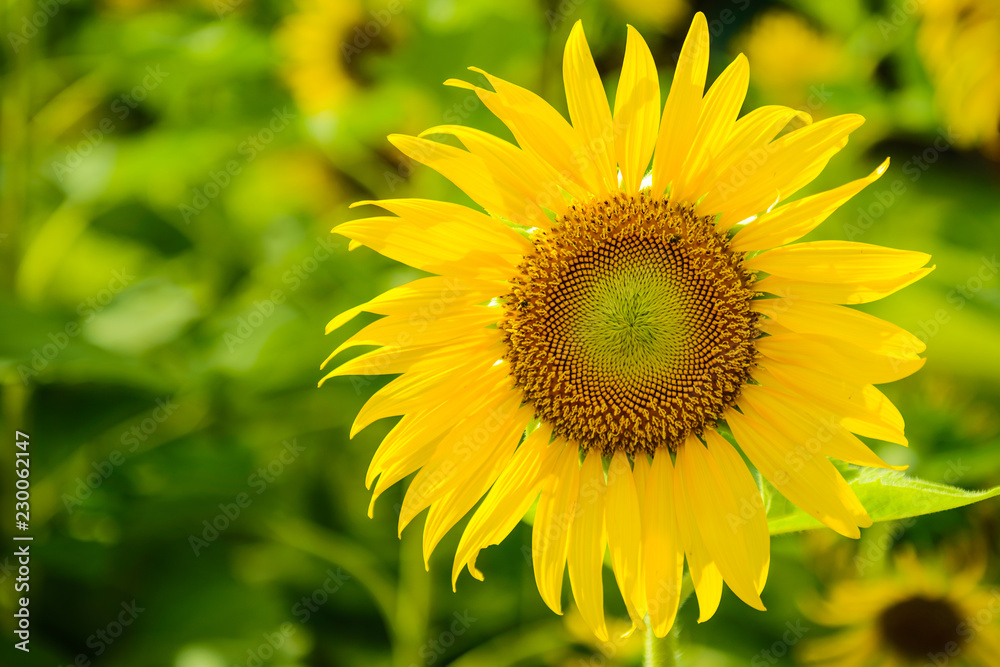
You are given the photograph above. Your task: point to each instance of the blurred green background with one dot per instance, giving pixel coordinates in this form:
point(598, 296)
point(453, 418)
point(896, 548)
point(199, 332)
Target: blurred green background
point(170, 173)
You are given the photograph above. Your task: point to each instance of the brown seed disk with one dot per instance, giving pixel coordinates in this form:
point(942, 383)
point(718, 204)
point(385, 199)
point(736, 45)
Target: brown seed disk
point(629, 326)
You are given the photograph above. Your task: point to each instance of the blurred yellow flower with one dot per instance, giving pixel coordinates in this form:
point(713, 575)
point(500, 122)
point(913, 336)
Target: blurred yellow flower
point(323, 42)
point(928, 613)
point(959, 41)
point(609, 315)
point(789, 56)
point(661, 13)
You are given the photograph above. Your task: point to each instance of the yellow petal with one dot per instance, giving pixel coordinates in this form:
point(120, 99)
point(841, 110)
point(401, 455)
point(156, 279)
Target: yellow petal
point(472, 226)
point(488, 183)
point(468, 488)
point(526, 177)
point(815, 428)
point(850, 648)
point(508, 500)
point(792, 221)
point(637, 111)
point(705, 573)
point(718, 114)
point(549, 535)
point(847, 324)
point(663, 560)
point(683, 107)
point(422, 389)
point(408, 446)
point(409, 298)
point(837, 261)
point(809, 481)
point(394, 359)
point(640, 472)
point(744, 149)
point(587, 545)
point(833, 357)
point(588, 104)
point(792, 162)
point(847, 293)
point(739, 547)
point(399, 332)
point(746, 494)
point(624, 532)
point(464, 450)
point(865, 409)
point(540, 130)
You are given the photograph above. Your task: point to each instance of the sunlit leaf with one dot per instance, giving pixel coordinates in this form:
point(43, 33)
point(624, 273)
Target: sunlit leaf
point(886, 494)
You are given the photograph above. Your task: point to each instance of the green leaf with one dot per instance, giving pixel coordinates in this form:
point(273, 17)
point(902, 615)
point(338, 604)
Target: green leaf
point(886, 494)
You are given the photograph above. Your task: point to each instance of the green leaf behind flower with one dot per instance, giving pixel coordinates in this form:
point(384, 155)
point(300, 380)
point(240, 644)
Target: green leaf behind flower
point(886, 494)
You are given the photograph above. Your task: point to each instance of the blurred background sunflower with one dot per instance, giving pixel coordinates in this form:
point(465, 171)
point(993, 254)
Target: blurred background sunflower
point(959, 42)
point(935, 611)
point(169, 174)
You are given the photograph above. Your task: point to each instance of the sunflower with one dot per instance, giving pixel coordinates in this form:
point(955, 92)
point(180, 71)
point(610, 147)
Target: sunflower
point(324, 43)
point(922, 614)
point(791, 58)
point(959, 45)
point(593, 339)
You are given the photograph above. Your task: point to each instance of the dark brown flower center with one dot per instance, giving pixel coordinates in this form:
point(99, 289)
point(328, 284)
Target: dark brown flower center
point(629, 326)
point(919, 627)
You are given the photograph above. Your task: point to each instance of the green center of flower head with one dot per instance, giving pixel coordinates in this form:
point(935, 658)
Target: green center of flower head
point(636, 319)
point(919, 627)
point(629, 326)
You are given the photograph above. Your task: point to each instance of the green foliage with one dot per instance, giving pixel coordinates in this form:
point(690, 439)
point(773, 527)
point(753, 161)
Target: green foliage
point(888, 495)
point(167, 186)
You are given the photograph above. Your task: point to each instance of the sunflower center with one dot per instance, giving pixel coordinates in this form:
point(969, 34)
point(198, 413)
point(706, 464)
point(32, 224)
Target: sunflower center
point(919, 626)
point(629, 326)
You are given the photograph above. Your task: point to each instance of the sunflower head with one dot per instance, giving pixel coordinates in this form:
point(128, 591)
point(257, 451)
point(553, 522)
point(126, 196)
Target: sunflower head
point(922, 613)
point(629, 306)
point(629, 326)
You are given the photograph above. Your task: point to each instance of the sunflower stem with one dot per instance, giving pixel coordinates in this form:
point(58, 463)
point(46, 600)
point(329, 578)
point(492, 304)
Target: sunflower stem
point(660, 652)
